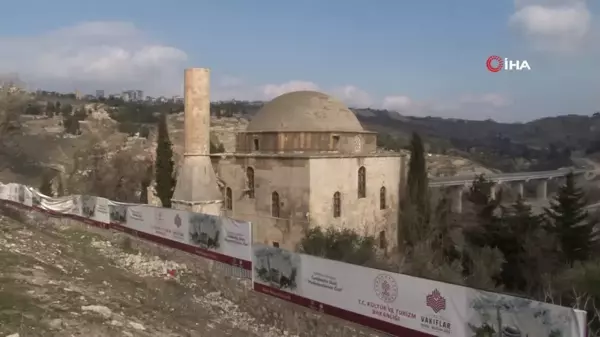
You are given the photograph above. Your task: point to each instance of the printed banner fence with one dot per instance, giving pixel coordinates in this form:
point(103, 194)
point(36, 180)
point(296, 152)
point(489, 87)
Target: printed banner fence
point(394, 303)
point(218, 238)
point(403, 305)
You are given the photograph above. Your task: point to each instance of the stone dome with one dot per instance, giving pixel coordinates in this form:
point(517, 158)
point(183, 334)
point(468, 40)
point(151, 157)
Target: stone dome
point(305, 111)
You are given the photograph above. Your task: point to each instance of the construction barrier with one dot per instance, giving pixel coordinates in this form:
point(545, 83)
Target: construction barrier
point(397, 304)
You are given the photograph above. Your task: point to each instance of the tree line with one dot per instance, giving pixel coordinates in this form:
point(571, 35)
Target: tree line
point(550, 257)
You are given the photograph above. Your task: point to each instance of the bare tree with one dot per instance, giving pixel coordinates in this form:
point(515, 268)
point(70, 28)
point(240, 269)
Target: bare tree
point(578, 287)
point(118, 174)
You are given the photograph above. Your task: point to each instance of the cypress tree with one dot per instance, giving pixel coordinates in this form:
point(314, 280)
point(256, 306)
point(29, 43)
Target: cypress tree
point(413, 220)
point(568, 219)
point(164, 169)
point(417, 182)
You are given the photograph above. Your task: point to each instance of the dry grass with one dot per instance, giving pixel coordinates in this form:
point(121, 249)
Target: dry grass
point(49, 273)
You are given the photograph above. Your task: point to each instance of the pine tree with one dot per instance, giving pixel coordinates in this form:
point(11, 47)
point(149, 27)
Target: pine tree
point(164, 169)
point(520, 226)
point(568, 219)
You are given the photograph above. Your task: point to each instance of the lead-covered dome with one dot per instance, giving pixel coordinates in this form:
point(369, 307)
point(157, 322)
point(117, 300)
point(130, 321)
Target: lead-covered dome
point(305, 111)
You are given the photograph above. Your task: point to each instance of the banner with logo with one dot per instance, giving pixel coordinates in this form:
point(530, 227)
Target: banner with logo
point(171, 224)
point(76, 206)
point(222, 237)
point(118, 212)
point(515, 316)
point(95, 209)
point(141, 218)
point(401, 304)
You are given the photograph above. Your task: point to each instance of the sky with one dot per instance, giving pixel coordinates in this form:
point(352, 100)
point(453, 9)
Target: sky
point(417, 57)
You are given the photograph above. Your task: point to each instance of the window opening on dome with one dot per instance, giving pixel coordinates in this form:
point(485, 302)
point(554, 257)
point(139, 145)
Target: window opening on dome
point(336, 142)
point(256, 144)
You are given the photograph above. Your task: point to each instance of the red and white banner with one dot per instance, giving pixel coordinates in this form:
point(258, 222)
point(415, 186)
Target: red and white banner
point(92, 208)
point(217, 238)
point(403, 305)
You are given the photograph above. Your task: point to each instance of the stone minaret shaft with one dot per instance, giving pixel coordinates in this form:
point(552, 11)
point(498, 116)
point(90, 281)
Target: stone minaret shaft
point(197, 188)
point(197, 112)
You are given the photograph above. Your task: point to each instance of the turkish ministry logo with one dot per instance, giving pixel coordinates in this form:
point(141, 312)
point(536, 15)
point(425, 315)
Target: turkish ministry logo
point(496, 63)
point(177, 221)
point(386, 288)
point(436, 301)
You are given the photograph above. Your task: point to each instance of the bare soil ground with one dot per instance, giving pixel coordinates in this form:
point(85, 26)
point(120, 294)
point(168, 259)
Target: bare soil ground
point(64, 280)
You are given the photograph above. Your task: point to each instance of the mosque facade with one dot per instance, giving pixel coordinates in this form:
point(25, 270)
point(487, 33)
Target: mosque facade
point(304, 161)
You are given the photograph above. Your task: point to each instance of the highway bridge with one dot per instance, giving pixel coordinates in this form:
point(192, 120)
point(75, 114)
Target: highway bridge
point(458, 184)
point(508, 177)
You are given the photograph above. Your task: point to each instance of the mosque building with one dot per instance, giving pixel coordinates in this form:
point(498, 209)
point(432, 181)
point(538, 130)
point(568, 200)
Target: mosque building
point(304, 160)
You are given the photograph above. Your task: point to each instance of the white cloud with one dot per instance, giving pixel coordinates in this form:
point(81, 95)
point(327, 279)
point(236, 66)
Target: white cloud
point(271, 91)
point(230, 82)
point(468, 106)
point(117, 55)
point(492, 99)
point(398, 103)
point(553, 25)
point(352, 96)
point(94, 55)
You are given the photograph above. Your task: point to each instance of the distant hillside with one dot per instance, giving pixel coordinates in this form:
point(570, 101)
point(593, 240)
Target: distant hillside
point(543, 144)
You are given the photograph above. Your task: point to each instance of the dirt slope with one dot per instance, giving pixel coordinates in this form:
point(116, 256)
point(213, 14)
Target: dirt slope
point(63, 280)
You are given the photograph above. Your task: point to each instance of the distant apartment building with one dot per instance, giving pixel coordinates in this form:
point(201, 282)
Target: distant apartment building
point(100, 94)
point(177, 99)
point(132, 95)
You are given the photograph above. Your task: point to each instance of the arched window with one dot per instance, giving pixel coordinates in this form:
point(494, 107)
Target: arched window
point(256, 144)
point(337, 205)
point(228, 199)
point(362, 182)
point(382, 203)
point(275, 205)
point(382, 241)
point(250, 181)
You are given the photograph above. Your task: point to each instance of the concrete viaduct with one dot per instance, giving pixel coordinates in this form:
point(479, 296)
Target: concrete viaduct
point(458, 184)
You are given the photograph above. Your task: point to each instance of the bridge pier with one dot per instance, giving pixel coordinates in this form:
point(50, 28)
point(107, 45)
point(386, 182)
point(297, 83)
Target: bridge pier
point(520, 190)
point(456, 194)
point(493, 190)
point(542, 189)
